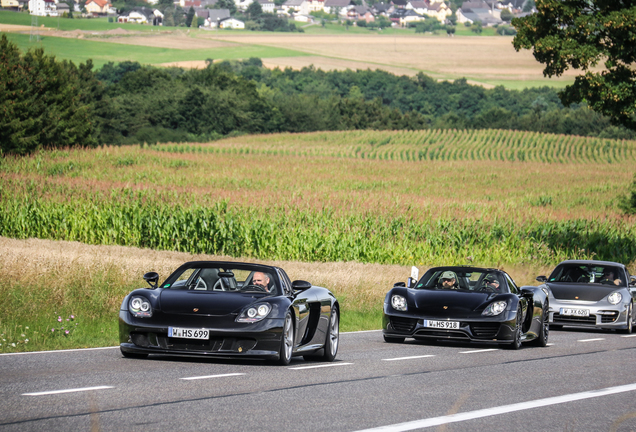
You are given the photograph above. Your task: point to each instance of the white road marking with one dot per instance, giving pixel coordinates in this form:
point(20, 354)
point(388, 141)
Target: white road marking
point(320, 366)
point(590, 340)
point(550, 344)
point(58, 351)
point(67, 391)
point(361, 331)
point(471, 415)
point(479, 351)
point(632, 335)
point(409, 358)
point(212, 376)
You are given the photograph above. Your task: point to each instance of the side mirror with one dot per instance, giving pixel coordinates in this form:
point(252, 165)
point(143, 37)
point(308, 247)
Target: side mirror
point(525, 292)
point(542, 279)
point(632, 280)
point(300, 285)
point(152, 278)
point(399, 284)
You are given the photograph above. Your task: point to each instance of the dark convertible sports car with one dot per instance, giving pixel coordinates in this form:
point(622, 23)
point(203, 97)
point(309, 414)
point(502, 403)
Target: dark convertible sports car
point(466, 304)
point(230, 309)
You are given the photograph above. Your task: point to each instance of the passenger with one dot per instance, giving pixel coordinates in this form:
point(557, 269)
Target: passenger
point(261, 279)
point(491, 283)
point(448, 280)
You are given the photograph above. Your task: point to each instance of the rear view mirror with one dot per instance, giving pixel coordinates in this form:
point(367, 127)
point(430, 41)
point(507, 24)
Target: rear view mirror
point(152, 278)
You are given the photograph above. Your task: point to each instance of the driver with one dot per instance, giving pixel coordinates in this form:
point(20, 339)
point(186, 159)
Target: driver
point(491, 283)
point(261, 279)
point(608, 278)
point(448, 280)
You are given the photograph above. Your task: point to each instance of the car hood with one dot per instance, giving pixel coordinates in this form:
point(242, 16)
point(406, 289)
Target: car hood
point(577, 291)
point(450, 304)
point(207, 303)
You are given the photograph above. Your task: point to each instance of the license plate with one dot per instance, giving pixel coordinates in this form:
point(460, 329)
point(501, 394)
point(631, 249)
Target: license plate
point(575, 312)
point(188, 333)
point(441, 324)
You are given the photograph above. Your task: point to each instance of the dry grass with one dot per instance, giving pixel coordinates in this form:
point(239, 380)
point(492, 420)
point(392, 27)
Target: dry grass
point(56, 263)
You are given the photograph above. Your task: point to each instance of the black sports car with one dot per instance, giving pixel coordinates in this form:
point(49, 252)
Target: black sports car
point(229, 309)
point(466, 304)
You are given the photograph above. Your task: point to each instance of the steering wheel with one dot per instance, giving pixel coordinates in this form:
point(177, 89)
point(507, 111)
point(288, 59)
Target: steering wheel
point(253, 287)
point(201, 285)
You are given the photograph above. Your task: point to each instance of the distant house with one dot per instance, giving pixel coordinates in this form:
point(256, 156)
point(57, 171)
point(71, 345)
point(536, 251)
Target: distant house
point(360, 13)
point(98, 7)
point(267, 6)
point(42, 7)
point(338, 6)
point(299, 6)
point(243, 4)
point(383, 9)
point(399, 4)
point(142, 15)
point(472, 11)
point(232, 23)
point(439, 10)
point(303, 18)
point(212, 17)
point(410, 16)
point(11, 4)
point(419, 6)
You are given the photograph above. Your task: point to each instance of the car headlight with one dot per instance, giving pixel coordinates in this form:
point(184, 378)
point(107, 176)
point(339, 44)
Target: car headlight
point(254, 313)
point(140, 307)
point(398, 302)
point(615, 297)
point(495, 308)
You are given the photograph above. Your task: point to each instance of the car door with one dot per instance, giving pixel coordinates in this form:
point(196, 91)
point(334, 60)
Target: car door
point(301, 303)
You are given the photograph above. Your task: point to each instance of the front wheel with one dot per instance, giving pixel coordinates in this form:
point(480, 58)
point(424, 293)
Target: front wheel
point(544, 331)
point(333, 335)
point(389, 339)
point(630, 325)
point(287, 341)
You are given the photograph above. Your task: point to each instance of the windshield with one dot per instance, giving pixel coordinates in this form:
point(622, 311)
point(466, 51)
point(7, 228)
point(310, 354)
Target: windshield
point(463, 280)
point(588, 274)
point(224, 279)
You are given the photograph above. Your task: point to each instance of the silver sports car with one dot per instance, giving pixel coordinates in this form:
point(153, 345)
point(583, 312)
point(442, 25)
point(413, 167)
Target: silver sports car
point(599, 294)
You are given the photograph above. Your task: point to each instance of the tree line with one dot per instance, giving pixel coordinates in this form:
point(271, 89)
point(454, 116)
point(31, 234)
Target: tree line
point(48, 103)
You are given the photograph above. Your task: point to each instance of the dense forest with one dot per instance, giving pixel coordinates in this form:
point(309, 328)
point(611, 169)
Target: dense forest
point(50, 103)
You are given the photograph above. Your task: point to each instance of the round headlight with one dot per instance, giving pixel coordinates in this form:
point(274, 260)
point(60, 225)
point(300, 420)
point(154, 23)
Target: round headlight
point(145, 306)
point(398, 302)
point(136, 303)
point(615, 297)
point(495, 308)
point(251, 312)
point(263, 310)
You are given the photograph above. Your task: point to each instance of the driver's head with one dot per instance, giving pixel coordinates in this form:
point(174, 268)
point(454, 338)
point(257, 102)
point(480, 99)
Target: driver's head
point(260, 279)
point(448, 279)
point(492, 282)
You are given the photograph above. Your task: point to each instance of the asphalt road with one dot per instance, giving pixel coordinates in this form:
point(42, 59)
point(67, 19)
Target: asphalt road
point(583, 381)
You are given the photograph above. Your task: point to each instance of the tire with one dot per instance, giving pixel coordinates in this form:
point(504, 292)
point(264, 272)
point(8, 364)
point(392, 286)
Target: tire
point(630, 317)
point(133, 355)
point(516, 344)
point(544, 332)
point(333, 336)
point(286, 341)
point(389, 339)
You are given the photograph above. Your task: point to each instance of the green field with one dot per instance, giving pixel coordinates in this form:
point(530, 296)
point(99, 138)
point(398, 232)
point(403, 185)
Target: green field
point(81, 50)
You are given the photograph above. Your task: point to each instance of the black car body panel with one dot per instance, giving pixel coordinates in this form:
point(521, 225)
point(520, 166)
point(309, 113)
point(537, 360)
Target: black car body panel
point(464, 307)
point(191, 304)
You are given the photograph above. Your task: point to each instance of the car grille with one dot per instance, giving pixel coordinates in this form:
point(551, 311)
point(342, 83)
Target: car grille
point(404, 325)
point(559, 319)
point(609, 316)
point(220, 345)
point(485, 330)
point(441, 334)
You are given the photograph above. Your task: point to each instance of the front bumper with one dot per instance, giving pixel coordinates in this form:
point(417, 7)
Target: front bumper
point(602, 316)
point(471, 330)
point(261, 339)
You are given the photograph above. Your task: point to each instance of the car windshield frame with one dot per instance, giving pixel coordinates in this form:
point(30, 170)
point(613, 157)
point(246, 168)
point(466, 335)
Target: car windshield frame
point(221, 269)
point(588, 274)
point(468, 280)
